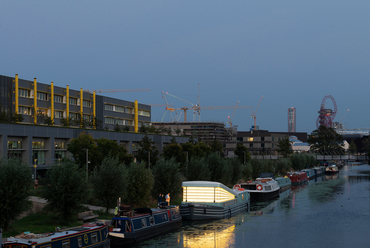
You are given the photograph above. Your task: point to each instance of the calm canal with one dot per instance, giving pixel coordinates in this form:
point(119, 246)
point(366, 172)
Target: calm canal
point(332, 211)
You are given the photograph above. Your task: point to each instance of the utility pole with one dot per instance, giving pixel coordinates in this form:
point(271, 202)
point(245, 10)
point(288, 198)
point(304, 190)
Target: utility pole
point(87, 164)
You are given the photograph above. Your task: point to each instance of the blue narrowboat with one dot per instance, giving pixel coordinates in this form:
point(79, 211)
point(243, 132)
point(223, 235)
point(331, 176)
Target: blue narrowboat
point(284, 183)
point(92, 235)
point(310, 173)
point(132, 226)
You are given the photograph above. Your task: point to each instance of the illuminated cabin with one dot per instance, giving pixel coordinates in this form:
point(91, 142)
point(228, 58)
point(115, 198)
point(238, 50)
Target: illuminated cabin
point(203, 200)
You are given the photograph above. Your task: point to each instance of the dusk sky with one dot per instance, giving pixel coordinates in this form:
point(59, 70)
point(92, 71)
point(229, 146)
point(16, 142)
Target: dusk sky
point(291, 52)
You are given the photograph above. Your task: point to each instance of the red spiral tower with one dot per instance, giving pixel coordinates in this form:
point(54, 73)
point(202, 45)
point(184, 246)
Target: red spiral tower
point(326, 116)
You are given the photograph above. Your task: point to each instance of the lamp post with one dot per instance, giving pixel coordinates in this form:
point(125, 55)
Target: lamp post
point(35, 165)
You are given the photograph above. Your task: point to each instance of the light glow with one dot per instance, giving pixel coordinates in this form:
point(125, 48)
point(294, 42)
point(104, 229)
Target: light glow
point(206, 194)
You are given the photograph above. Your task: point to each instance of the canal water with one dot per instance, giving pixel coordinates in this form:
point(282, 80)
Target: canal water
point(331, 211)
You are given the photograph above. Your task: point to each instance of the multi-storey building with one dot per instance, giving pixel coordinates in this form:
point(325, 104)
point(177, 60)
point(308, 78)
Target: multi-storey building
point(292, 120)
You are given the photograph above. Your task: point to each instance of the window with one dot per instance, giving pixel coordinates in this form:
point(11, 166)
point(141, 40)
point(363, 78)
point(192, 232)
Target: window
point(14, 154)
point(144, 113)
point(58, 154)
point(79, 242)
point(24, 93)
point(262, 138)
point(24, 110)
point(65, 244)
point(73, 101)
point(38, 145)
point(129, 111)
point(58, 98)
point(42, 96)
point(272, 138)
point(250, 139)
point(109, 120)
point(94, 238)
point(14, 144)
point(120, 122)
point(129, 123)
point(59, 145)
point(120, 109)
point(87, 117)
point(58, 114)
point(87, 103)
point(251, 145)
point(109, 107)
point(74, 116)
point(39, 156)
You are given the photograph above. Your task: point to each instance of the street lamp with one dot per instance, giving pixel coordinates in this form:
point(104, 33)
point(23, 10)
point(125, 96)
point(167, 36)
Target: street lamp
point(87, 163)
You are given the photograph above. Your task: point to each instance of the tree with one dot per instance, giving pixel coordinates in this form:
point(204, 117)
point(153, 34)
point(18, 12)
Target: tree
point(285, 147)
point(15, 180)
point(201, 149)
point(14, 118)
point(282, 166)
point(109, 181)
point(216, 146)
point(178, 131)
point(352, 147)
point(175, 151)
point(140, 183)
point(66, 189)
point(198, 170)
point(143, 129)
point(146, 146)
point(242, 153)
point(117, 128)
point(326, 141)
point(66, 122)
point(106, 147)
point(236, 168)
point(78, 148)
point(219, 169)
point(167, 177)
point(48, 121)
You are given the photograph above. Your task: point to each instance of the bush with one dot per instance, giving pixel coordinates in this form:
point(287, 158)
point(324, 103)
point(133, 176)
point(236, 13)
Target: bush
point(247, 172)
point(282, 166)
point(198, 170)
point(15, 180)
point(218, 168)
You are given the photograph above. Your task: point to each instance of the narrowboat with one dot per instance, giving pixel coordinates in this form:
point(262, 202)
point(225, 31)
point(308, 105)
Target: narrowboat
point(298, 178)
point(284, 183)
point(319, 170)
point(310, 173)
point(132, 226)
point(264, 188)
point(332, 169)
point(94, 234)
point(204, 200)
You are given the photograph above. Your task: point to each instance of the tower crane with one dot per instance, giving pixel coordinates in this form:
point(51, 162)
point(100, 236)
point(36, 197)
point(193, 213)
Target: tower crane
point(254, 114)
point(230, 120)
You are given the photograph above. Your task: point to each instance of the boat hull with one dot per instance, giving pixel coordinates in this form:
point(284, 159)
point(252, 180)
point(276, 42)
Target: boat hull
point(194, 211)
point(298, 178)
point(263, 196)
point(284, 183)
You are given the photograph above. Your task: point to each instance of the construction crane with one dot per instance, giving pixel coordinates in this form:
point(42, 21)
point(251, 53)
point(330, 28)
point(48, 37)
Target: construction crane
point(254, 114)
point(116, 90)
point(230, 120)
point(205, 108)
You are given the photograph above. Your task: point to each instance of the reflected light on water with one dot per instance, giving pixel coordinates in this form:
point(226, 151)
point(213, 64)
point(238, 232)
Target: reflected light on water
point(216, 236)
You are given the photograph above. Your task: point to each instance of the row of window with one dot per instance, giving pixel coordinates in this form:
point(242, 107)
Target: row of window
point(35, 145)
point(115, 108)
point(110, 120)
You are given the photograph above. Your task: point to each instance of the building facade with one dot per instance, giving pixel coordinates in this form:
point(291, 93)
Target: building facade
point(35, 101)
point(292, 120)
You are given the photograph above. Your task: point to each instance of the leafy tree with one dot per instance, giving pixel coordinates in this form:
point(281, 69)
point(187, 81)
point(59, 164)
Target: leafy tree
point(77, 147)
point(236, 170)
point(15, 118)
point(106, 147)
point(242, 153)
point(143, 129)
point(174, 151)
point(247, 171)
point(285, 147)
point(126, 128)
point(178, 131)
point(65, 189)
point(168, 131)
point(98, 123)
point(257, 167)
point(352, 147)
point(298, 161)
point(48, 121)
point(282, 166)
point(66, 122)
point(167, 177)
point(326, 140)
point(140, 183)
point(15, 180)
point(109, 181)
point(219, 169)
point(117, 128)
point(146, 146)
point(198, 170)
point(201, 149)
point(216, 146)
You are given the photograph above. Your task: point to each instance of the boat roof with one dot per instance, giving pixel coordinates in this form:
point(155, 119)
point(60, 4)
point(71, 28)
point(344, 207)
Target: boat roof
point(209, 184)
point(29, 238)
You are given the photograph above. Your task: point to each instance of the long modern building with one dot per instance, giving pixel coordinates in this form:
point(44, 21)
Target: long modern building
point(33, 99)
point(41, 144)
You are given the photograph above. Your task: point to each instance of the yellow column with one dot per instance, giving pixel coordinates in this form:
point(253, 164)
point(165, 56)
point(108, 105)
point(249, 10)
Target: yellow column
point(136, 116)
point(35, 100)
point(52, 100)
point(67, 100)
point(94, 109)
point(81, 106)
point(16, 94)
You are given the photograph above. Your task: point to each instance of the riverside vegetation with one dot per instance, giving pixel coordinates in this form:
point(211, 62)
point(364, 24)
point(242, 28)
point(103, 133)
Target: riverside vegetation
point(113, 173)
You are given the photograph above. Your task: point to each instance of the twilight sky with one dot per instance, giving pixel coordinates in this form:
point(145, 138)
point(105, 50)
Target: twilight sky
point(291, 52)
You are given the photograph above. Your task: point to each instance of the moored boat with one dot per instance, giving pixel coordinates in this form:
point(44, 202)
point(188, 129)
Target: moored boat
point(93, 234)
point(284, 183)
point(204, 200)
point(264, 188)
point(310, 173)
point(332, 169)
point(297, 178)
point(319, 170)
point(132, 226)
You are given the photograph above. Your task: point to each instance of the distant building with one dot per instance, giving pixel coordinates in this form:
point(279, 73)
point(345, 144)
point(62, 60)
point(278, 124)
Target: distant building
point(292, 120)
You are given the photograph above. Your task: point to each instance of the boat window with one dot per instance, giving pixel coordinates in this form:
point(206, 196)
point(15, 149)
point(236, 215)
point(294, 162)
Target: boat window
point(94, 238)
point(267, 187)
point(65, 244)
point(243, 197)
point(79, 242)
point(45, 246)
